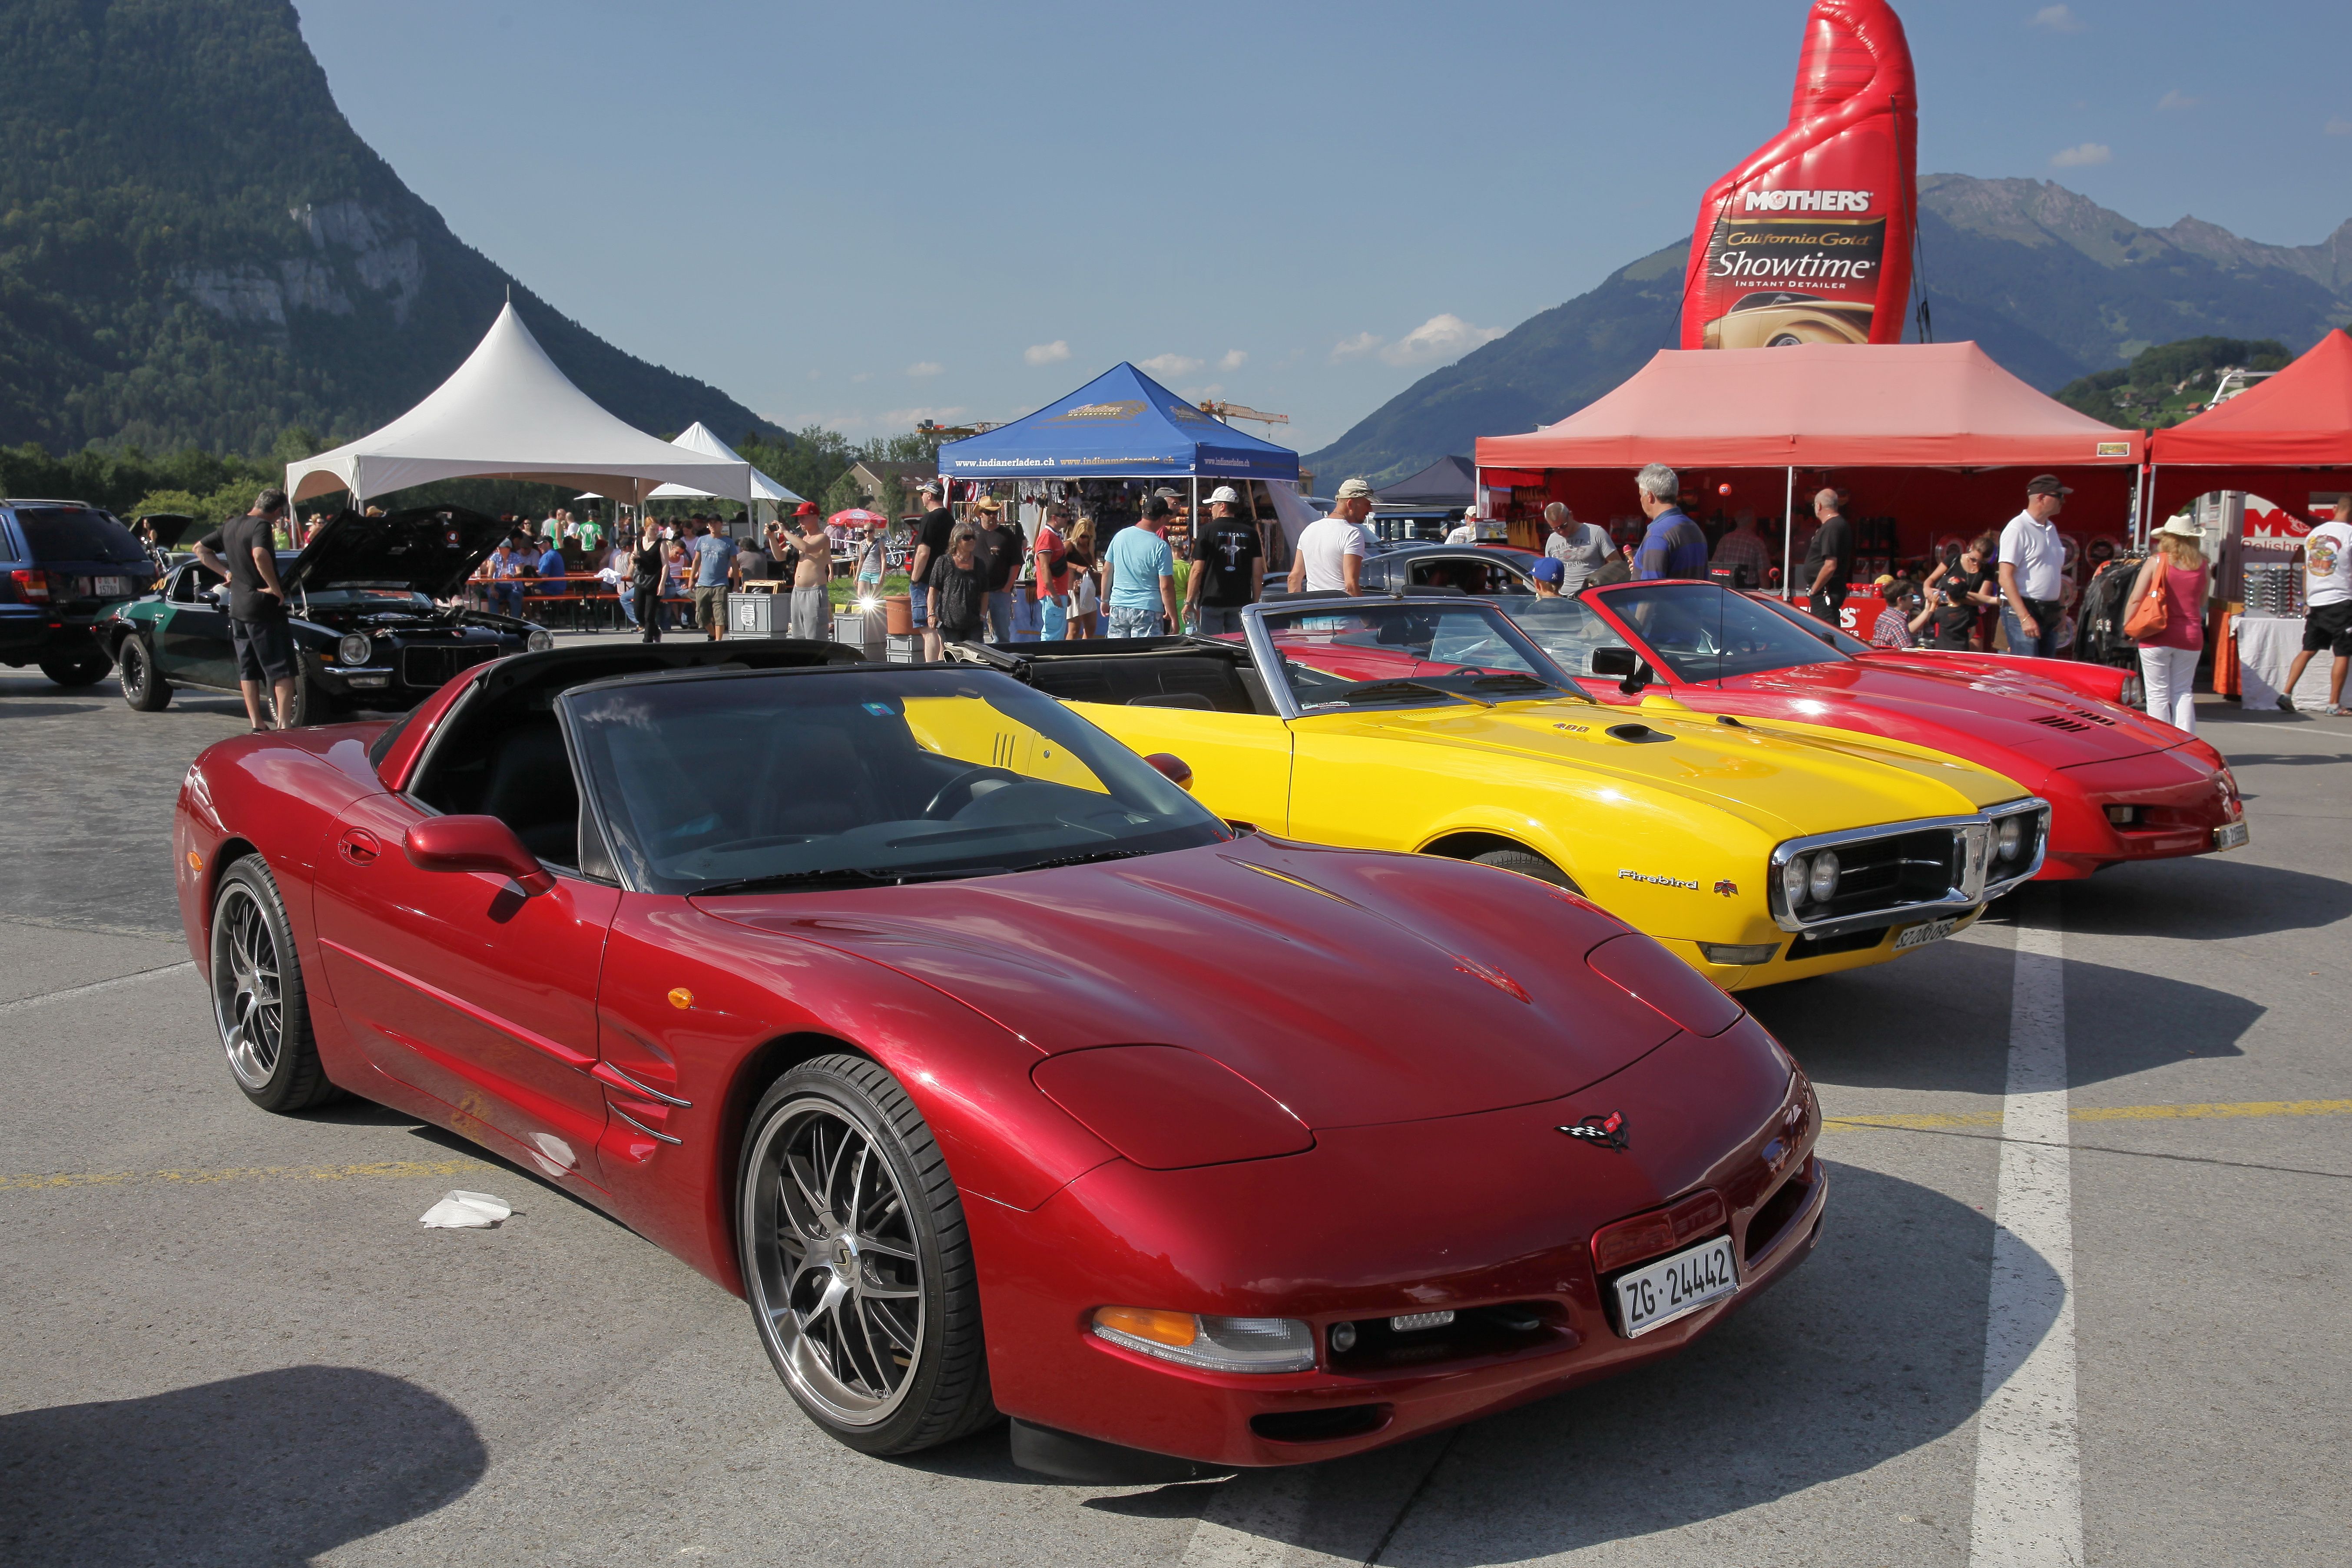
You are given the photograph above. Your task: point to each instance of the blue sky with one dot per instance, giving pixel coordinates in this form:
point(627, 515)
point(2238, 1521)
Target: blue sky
point(861, 214)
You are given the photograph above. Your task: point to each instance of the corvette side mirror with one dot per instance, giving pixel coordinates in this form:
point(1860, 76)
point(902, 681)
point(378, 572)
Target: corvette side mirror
point(474, 843)
point(1175, 770)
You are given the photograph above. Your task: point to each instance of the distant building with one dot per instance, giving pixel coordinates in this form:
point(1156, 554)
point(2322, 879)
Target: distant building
point(888, 487)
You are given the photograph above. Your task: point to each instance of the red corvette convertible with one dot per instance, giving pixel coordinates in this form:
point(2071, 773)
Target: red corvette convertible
point(2121, 786)
point(997, 1074)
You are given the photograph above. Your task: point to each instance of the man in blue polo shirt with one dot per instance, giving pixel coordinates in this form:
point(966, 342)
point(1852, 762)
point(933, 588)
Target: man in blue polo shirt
point(1674, 546)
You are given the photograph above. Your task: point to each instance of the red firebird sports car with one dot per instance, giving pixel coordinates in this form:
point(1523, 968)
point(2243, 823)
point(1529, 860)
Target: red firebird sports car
point(992, 1069)
point(2121, 786)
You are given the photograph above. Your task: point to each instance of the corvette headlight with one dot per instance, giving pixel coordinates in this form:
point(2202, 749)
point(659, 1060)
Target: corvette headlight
point(1822, 883)
point(539, 641)
point(1213, 1343)
point(1793, 881)
point(2134, 694)
point(2010, 837)
point(355, 648)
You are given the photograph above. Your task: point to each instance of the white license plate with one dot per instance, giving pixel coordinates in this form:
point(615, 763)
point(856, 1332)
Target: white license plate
point(1920, 935)
point(1654, 1296)
point(2230, 836)
point(109, 587)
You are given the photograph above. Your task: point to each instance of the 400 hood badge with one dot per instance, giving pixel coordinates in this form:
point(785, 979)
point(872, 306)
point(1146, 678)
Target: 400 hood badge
point(1608, 1131)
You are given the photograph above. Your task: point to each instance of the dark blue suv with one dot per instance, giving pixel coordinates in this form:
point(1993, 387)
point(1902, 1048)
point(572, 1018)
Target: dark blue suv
point(63, 565)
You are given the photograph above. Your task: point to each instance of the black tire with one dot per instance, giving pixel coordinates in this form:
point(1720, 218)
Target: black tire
point(260, 1006)
point(900, 1264)
point(1527, 862)
point(144, 687)
point(80, 668)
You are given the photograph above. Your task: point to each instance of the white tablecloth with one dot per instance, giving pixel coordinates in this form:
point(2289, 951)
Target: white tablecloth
point(2266, 651)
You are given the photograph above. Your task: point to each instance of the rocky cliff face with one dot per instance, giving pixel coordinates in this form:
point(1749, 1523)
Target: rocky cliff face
point(2052, 284)
point(196, 247)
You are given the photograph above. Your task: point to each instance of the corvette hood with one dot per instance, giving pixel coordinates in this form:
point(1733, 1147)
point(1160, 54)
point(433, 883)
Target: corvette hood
point(1785, 785)
point(2033, 718)
point(1356, 988)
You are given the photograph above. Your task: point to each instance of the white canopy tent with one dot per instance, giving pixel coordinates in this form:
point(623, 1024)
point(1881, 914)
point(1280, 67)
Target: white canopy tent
point(699, 437)
point(509, 413)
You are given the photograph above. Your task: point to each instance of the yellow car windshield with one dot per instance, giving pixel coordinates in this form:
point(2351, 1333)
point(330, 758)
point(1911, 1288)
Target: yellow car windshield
point(1408, 653)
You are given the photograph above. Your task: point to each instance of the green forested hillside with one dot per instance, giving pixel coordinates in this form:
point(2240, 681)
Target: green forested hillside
point(2165, 384)
point(196, 247)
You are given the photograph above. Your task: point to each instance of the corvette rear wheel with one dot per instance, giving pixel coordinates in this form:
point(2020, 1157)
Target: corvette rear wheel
point(857, 1263)
point(1527, 862)
point(258, 1003)
point(134, 666)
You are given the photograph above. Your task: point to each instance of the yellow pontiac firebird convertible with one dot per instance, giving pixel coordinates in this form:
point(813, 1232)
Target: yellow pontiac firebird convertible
point(1757, 852)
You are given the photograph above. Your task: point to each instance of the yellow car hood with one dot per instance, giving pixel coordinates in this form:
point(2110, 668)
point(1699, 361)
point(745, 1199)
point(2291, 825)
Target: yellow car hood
point(1785, 783)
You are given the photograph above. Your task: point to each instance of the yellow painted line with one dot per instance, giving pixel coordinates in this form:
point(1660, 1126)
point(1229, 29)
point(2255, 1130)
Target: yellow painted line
point(1927, 1122)
point(396, 1168)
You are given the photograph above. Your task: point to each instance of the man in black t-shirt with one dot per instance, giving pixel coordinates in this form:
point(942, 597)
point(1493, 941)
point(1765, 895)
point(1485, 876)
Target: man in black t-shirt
point(931, 545)
point(245, 550)
point(1829, 559)
point(1228, 566)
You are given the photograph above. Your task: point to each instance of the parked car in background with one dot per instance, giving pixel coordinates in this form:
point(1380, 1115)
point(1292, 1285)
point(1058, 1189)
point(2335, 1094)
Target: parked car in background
point(2121, 786)
point(64, 568)
point(1479, 571)
point(364, 598)
point(1780, 320)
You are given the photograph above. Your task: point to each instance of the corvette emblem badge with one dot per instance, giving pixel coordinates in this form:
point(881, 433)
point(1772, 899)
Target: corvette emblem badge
point(1608, 1131)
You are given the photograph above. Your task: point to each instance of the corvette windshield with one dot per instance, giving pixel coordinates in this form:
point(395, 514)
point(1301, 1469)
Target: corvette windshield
point(1411, 653)
point(1822, 629)
point(1703, 634)
point(847, 779)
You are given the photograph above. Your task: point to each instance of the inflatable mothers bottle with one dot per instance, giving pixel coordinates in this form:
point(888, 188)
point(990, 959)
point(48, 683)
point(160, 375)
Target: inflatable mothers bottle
point(1809, 240)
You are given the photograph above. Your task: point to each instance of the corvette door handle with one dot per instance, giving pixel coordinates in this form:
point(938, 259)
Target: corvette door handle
point(359, 846)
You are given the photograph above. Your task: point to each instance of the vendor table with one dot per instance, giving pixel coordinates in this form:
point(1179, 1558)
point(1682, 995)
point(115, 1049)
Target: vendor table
point(2266, 649)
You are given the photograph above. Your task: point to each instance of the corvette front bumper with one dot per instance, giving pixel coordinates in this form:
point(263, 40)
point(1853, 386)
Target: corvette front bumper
point(1490, 1211)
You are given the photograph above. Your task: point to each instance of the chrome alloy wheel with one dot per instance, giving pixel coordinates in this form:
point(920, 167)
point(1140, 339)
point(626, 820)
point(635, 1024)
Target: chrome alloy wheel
point(247, 1005)
point(836, 1280)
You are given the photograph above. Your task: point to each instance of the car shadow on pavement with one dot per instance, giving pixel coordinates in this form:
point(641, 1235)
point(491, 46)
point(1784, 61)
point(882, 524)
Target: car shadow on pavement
point(1872, 1349)
point(270, 1468)
point(2204, 898)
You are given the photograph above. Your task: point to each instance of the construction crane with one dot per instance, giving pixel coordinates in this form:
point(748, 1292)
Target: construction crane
point(1233, 411)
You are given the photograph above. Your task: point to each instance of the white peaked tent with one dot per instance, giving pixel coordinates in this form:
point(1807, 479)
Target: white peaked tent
point(509, 413)
point(697, 437)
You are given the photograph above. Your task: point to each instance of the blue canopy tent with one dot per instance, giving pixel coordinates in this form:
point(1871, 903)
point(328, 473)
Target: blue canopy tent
point(1121, 425)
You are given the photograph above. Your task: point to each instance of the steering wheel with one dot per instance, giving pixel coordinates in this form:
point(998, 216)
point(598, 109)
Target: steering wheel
point(965, 781)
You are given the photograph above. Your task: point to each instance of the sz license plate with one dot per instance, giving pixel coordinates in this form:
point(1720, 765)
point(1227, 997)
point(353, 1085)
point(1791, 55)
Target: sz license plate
point(1675, 1287)
point(2230, 836)
point(109, 587)
point(1920, 935)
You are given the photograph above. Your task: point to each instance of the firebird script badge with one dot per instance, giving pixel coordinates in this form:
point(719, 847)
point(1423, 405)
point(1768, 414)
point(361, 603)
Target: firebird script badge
point(1608, 1131)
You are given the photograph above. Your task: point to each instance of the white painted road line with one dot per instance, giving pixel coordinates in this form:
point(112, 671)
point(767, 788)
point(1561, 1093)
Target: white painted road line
point(2029, 1483)
point(95, 986)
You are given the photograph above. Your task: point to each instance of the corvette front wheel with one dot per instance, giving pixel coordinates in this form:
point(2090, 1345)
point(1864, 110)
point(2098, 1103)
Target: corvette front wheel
point(857, 1263)
point(258, 1003)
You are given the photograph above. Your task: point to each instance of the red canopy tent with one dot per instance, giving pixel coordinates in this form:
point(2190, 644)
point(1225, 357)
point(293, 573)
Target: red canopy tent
point(1934, 434)
point(2285, 437)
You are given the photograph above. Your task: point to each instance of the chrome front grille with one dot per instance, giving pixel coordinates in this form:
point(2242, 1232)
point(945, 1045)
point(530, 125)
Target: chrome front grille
point(433, 665)
point(1901, 871)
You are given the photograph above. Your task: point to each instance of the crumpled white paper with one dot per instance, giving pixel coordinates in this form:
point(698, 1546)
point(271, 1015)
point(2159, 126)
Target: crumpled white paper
point(467, 1211)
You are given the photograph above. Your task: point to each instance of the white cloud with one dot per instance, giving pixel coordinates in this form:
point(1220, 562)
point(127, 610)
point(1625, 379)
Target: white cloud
point(816, 375)
point(2339, 126)
point(2177, 99)
point(908, 418)
point(1354, 348)
point(863, 376)
point(1441, 337)
point(922, 367)
point(2081, 157)
point(2057, 18)
point(1051, 353)
point(1234, 360)
point(1165, 365)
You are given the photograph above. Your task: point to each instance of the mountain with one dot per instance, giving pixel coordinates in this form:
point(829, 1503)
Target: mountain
point(2053, 284)
point(2170, 383)
point(195, 247)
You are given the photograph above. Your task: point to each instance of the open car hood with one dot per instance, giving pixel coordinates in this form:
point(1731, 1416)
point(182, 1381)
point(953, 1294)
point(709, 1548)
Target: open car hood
point(170, 528)
point(1355, 988)
point(432, 550)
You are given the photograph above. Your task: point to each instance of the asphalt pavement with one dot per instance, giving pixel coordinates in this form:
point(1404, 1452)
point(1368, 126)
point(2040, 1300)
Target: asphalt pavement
point(2082, 1294)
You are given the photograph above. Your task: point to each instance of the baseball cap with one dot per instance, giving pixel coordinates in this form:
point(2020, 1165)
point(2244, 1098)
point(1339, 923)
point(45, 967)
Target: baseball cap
point(1549, 570)
point(2047, 484)
point(1882, 579)
point(1225, 494)
point(805, 509)
point(1351, 489)
point(1165, 492)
